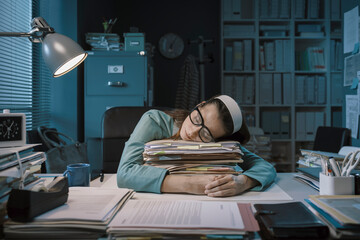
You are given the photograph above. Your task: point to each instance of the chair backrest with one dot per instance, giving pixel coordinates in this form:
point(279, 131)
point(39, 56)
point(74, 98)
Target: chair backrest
point(331, 139)
point(117, 125)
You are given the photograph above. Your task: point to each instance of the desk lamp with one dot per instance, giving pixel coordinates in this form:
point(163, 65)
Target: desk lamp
point(61, 54)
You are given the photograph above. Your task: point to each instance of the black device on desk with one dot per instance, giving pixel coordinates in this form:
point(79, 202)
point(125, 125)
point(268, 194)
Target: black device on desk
point(24, 205)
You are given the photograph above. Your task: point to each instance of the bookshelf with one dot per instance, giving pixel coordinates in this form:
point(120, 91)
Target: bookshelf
point(282, 62)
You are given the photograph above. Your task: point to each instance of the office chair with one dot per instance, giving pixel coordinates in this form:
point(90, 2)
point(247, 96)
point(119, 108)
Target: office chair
point(117, 125)
point(331, 139)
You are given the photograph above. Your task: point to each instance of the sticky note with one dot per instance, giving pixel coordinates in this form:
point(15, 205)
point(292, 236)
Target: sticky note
point(210, 145)
point(188, 147)
point(355, 83)
point(356, 48)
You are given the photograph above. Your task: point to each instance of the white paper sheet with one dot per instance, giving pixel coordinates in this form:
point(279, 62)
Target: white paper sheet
point(351, 67)
point(274, 192)
point(352, 114)
point(86, 203)
point(179, 214)
point(351, 29)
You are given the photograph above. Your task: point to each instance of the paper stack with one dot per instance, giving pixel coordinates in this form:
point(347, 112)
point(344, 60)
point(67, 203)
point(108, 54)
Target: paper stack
point(17, 167)
point(187, 157)
point(340, 212)
point(86, 215)
point(183, 219)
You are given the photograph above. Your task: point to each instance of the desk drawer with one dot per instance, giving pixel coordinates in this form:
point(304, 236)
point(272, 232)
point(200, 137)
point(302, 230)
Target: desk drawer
point(113, 75)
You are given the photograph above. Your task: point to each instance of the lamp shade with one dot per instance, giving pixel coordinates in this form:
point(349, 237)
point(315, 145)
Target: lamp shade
point(61, 54)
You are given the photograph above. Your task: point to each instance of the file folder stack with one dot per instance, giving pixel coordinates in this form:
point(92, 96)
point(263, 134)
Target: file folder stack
point(186, 157)
point(12, 175)
point(340, 212)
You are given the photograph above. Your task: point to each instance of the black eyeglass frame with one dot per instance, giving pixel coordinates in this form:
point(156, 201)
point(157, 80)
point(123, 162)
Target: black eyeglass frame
point(202, 125)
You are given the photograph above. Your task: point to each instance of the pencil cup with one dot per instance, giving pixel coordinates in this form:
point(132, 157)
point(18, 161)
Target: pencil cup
point(330, 185)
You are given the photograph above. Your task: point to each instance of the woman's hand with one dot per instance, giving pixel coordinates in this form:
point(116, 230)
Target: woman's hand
point(229, 185)
point(193, 184)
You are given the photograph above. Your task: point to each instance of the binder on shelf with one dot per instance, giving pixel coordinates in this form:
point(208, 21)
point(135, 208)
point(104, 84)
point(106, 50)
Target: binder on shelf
point(239, 93)
point(236, 10)
point(286, 56)
point(286, 88)
point(310, 90)
point(269, 55)
point(335, 9)
point(300, 89)
point(284, 125)
point(264, 9)
point(336, 89)
point(336, 119)
point(279, 56)
point(313, 9)
point(339, 56)
point(249, 89)
point(276, 125)
point(310, 126)
point(228, 85)
point(300, 8)
point(266, 86)
point(332, 55)
point(300, 126)
point(262, 58)
point(284, 11)
point(248, 55)
point(238, 56)
point(277, 88)
point(274, 8)
point(266, 122)
point(228, 58)
point(321, 90)
point(319, 121)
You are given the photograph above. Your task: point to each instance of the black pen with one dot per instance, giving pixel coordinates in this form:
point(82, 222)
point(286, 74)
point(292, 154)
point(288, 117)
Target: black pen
point(101, 176)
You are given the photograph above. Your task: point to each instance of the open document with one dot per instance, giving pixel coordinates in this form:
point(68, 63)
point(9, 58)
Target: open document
point(87, 209)
point(183, 217)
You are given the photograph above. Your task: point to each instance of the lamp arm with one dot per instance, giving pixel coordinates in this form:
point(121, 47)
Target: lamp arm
point(14, 34)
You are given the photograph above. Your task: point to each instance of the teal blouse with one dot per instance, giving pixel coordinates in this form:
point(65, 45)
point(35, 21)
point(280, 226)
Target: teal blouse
point(156, 125)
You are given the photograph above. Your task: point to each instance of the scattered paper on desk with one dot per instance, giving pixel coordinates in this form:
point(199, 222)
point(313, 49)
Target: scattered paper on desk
point(352, 114)
point(179, 214)
point(351, 29)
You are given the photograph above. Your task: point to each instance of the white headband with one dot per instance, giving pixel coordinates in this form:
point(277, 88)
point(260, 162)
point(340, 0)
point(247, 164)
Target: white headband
point(234, 110)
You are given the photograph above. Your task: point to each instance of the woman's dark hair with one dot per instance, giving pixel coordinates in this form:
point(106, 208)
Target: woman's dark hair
point(242, 135)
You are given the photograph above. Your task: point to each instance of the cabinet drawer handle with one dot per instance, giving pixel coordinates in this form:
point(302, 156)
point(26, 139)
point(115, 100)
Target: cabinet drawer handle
point(116, 84)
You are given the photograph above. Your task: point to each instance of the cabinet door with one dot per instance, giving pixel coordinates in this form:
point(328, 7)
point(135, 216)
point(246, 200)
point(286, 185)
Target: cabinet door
point(114, 75)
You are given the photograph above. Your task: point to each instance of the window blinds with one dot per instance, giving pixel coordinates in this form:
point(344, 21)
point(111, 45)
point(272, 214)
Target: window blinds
point(24, 80)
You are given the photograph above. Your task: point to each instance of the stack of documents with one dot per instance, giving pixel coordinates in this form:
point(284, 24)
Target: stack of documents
point(12, 175)
point(85, 215)
point(183, 217)
point(340, 212)
point(312, 158)
point(187, 157)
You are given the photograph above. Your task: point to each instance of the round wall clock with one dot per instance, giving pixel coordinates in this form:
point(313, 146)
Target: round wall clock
point(171, 45)
point(12, 129)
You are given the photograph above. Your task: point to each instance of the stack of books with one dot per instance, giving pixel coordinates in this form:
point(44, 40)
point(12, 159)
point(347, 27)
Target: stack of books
point(85, 215)
point(17, 168)
point(187, 157)
point(340, 212)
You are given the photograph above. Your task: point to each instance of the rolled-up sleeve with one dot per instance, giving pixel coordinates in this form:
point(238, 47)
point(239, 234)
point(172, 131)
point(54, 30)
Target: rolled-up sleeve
point(131, 172)
point(257, 168)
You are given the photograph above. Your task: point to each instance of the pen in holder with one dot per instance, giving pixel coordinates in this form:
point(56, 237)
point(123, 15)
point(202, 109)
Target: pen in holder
point(336, 185)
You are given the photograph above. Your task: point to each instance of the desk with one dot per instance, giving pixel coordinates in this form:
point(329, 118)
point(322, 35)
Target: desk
point(295, 189)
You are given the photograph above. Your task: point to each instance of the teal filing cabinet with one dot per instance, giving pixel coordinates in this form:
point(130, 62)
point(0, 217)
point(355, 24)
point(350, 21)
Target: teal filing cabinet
point(112, 79)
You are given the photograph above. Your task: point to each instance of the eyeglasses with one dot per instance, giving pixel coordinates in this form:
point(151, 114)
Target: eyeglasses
point(197, 119)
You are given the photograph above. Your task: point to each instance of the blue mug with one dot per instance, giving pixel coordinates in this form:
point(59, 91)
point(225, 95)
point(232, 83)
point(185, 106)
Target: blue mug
point(78, 174)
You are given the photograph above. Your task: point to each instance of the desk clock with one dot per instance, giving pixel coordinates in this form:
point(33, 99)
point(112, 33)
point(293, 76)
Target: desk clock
point(12, 129)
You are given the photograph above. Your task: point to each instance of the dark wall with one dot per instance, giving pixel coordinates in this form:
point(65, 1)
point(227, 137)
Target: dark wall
point(187, 18)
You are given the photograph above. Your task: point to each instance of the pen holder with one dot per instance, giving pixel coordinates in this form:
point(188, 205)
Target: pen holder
point(331, 185)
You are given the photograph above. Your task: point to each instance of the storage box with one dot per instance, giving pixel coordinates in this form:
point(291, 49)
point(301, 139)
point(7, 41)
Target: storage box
point(134, 42)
